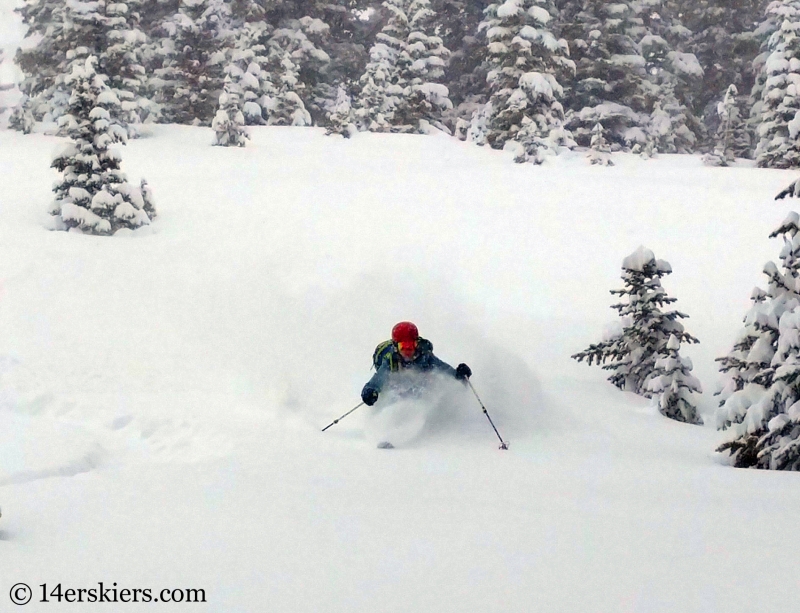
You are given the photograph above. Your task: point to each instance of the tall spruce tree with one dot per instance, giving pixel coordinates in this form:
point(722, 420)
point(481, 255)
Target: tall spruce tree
point(249, 54)
point(724, 40)
point(60, 32)
point(401, 89)
point(44, 64)
point(93, 195)
point(377, 99)
point(631, 356)
point(193, 56)
point(770, 22)
point(778, 145)
point(610, 81)
point(122, 59)
point(759, 384)
point(295, 60)
point(328, 44)
point(465, 74)
point(525, 61)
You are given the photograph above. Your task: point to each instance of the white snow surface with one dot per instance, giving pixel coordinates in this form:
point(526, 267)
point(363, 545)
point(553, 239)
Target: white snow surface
point(162, 394)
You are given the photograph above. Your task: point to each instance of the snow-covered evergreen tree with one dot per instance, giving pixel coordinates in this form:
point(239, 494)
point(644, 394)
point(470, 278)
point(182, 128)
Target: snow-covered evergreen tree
point(724, 40)
point(732, 137)
point(257, 90)
point(457, 23)
point(525, 64)
point(609, 85)
point(779, 447)
point(59, 32)
point(742, 365)
point(250, 55)
point(768, 25)
point(379, 90)
point(286, 107)
point(293, 55)
point(193, 55)
point(341, 118)
point(674, 77)
point(93, 195)
point(632, 354)
point(122, 59)
point(328, 43)
point(525, 61)
point(778, 145)
point(759, 377)
point(422, 64)
point(43, 61)
point(674, 385)
point(600, 151)
point(228, 124)
point(479, 125)
point(401, 89)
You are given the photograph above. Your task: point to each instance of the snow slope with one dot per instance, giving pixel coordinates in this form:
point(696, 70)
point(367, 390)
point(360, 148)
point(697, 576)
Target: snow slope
point(162, 393)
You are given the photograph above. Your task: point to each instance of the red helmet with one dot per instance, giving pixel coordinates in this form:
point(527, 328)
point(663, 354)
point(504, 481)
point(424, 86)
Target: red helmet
point(405, 335)
point(405, 332)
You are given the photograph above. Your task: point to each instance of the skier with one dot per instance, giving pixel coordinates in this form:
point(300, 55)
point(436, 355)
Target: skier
point(407, 352)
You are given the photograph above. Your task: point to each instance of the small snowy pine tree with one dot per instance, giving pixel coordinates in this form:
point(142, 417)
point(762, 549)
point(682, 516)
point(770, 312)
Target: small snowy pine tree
point(93, 195)
point(674, 383)
point(730, 132)
point(600, 152)
point(632, 355)
point(377, 99)
point(228, 124)
point(340, 120)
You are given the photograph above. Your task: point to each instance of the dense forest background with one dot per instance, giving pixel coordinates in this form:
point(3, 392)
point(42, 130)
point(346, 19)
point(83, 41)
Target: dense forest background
point(671, 76)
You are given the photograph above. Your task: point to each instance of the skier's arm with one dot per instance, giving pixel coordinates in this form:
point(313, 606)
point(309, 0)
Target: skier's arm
point(375, 384)
point(441, 366)
point(462, 373)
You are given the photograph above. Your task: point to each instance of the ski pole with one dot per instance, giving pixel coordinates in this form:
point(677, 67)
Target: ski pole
point(336, 421)
point(503, 444)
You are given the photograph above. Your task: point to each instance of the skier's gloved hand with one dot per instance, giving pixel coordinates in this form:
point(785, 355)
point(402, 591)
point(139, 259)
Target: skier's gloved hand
point(369, 396)
point(463, 372)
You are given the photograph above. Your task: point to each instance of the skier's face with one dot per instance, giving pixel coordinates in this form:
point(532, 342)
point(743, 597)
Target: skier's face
point(407, 349)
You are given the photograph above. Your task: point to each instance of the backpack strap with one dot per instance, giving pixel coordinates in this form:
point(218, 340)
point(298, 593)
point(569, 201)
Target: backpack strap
point(383, 351)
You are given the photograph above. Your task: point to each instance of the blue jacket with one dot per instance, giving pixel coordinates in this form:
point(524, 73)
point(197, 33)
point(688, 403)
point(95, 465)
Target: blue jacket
point(423, 361)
